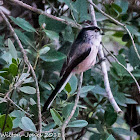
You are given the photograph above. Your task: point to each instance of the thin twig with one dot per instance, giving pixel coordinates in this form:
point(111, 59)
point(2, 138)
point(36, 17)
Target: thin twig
point(117, 22)
point(18, 107)
point(39, 11)
point(92, 12)
point(103, 66)
point(74, 108)
point(106, 82)
point(29, 67)
point(138, 86)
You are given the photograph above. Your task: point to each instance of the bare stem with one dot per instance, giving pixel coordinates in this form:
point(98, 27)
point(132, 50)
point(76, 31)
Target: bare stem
point(106, 82)
point(92, 12)
point(18, 107)
point(29, 67)
point(103, 66)
point(39, 11)
point(74, 108)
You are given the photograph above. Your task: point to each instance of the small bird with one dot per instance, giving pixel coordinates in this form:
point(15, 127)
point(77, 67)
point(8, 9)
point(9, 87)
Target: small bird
point(80, 58)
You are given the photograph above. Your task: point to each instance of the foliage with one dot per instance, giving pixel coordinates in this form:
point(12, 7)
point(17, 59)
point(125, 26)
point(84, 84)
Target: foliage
point(47, 46)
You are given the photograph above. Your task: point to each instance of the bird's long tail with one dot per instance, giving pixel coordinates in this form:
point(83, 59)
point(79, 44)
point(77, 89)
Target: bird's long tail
point(59, 87)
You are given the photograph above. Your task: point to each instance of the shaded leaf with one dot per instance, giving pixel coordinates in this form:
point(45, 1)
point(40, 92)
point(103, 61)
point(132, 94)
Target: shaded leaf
point(13, 69)
point(24, 39)
point(59, 26)
point(56, 117)
point(28, 90)
point(52, 56)
point(78, 123)
point(52, 35)
point(110, 116)
point(23, 24)
point(117, 7)
point(67, 110)
point(122, 131)
point(110, 137)
point(73, 83)
point(44, 50)
point(49, 126)
point(12, 49)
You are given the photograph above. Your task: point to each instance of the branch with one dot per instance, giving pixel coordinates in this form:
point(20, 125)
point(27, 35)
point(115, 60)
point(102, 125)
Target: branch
point(104, 69)
point(29, 67)
point(138, 86)
point(92, 12)
point(39, 11)
point(74, 108)
point(117, 22)
point(18, 107)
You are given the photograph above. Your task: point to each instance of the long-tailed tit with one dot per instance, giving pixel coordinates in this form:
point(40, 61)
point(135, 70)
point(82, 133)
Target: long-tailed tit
point(80, 58)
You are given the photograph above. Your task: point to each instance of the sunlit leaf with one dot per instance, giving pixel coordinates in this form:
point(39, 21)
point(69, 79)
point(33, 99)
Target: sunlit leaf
point(8, 125)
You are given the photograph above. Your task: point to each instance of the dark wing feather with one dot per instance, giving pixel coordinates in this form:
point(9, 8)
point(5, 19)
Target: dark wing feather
point(68, 70)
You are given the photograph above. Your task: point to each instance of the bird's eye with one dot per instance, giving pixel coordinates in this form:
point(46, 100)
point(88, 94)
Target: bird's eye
point(96, 30)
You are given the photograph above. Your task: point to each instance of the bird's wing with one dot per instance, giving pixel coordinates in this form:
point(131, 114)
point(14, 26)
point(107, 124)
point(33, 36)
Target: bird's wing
point(77, 50)
point(75, 60)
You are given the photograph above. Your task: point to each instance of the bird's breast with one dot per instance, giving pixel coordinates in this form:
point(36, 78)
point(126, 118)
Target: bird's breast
point(88, 62)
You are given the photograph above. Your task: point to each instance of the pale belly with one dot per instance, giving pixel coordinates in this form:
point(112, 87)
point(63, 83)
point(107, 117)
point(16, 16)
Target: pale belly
point(88, 62)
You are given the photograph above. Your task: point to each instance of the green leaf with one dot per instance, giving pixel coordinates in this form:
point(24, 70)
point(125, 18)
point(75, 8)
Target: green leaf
point(8, 125)
point(18, 114)
point(52, 56)
point(85, 89)
point(116, 7)
point(80, 10)
point(56, 117)
point(100, 17)
point(13, 69)
point(49, 126)
point(73, 84)
point(118, 34)
point(12, 49)
point(1, 42)
point(24, 39)
point(123, 4)
point(44, 50)
point(52, 35)
point(51, 24)
point(120, 98)
point(121, 59)
point(130, 101)
point(110, 116)
point(28, 90)
point(78, 123)
point(95, 136)
point(134, 61)
point(122, 131)
point(99, 90)
point(110, 137)
point(68, 88)
point(28, 124)
point(133, 29)
point(23, 24)
point(67, 110)
point(68, 34)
